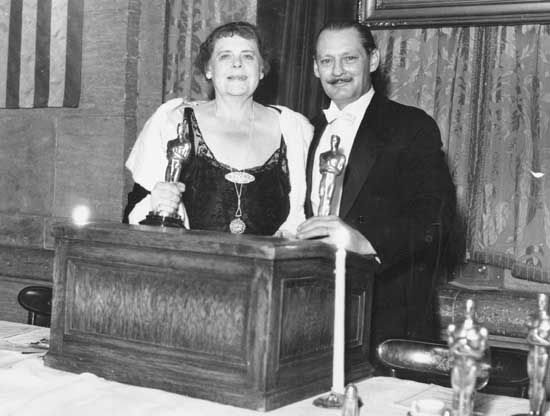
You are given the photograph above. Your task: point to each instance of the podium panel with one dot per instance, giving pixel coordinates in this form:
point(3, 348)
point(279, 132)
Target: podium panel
point(242, 320)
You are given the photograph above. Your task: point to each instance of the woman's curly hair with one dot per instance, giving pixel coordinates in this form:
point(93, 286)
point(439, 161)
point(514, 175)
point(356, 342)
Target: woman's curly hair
point(243, 29)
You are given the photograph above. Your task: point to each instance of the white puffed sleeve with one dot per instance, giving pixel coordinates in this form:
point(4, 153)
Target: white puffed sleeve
point(297, 134)
point(147, 160)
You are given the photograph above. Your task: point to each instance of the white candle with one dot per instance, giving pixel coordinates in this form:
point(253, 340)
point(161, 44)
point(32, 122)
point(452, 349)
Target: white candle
point(339, 321)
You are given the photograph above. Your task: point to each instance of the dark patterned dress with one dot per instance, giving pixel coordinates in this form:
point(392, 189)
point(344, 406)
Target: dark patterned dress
point(211, 200)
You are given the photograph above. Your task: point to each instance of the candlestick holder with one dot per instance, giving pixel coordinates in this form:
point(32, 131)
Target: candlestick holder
point(349, 402)
point(331, 400)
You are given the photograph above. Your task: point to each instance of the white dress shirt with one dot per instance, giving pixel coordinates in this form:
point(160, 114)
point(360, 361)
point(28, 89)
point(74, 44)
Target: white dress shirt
point(345, 124)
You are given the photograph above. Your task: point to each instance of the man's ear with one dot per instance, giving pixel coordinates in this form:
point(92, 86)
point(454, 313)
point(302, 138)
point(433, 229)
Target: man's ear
point(374, 60)
point(316, 69)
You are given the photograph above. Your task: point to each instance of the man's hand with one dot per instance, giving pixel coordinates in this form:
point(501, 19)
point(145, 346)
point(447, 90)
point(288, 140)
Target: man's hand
point(166, 196)
point(335, 231)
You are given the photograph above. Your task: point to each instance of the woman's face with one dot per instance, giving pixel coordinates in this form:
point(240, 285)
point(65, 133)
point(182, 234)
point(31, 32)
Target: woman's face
point(235, 67)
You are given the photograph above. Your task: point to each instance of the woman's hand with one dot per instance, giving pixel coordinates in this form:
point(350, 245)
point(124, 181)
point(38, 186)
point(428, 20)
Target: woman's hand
point(166, 197)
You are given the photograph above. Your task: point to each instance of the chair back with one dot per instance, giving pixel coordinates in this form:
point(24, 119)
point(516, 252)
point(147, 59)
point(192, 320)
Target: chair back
point(429, 362)
point(37, 300)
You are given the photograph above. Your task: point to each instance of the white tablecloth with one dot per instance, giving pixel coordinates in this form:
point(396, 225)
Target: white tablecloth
point(27, 387)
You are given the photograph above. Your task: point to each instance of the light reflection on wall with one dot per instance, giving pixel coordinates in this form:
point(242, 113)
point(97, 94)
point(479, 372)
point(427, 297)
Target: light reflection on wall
point(80, 215)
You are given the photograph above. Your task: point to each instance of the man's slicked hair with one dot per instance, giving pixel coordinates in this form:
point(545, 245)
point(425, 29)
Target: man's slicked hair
point(365, 34)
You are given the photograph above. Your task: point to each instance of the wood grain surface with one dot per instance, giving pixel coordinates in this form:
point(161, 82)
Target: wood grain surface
point(242, 320)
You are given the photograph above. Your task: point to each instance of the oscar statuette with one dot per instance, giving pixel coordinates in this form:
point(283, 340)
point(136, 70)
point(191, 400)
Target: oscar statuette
point(178, 153)
point(538, 339)
point(470, 361)
point(331, 165)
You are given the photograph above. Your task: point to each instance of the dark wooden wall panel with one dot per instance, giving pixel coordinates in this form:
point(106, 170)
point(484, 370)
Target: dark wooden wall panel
point(27, 146)
point(89, 166)
point(55, 158)
point(20, 267)
point(10, 310)
point(21, 230)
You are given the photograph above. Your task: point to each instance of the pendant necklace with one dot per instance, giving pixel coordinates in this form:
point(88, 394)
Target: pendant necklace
point(237, 225)
point(240, 178)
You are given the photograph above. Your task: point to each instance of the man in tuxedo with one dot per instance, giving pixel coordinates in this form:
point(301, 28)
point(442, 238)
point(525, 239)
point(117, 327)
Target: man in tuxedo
point(396, 199)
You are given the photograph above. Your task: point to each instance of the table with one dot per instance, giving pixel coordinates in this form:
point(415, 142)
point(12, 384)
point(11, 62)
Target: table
point(27, 387)
point(23, 338)
point(242, 320)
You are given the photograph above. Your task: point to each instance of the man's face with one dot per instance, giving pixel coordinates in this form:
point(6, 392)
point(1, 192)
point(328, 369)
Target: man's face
point(343, 65)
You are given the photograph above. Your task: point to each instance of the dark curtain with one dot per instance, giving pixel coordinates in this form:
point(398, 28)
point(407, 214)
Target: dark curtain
point(290, 28)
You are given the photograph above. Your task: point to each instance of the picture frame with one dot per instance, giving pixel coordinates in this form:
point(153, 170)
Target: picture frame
point(425, 13)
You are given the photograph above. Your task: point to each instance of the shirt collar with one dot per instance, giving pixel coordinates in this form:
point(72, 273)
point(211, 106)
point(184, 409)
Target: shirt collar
point(356, 109)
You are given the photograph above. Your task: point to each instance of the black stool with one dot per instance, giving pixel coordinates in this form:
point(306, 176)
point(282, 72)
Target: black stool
point(37, 300)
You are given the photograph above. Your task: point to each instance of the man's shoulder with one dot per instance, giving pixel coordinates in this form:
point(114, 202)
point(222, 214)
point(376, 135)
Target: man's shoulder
point(400, 119)
point(403, 110)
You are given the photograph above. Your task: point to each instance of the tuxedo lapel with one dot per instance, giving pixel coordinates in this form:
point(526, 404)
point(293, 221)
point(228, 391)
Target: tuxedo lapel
point(319, 124)
point(364, 152)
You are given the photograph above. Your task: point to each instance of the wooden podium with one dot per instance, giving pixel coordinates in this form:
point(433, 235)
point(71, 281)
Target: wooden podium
point(242, 320)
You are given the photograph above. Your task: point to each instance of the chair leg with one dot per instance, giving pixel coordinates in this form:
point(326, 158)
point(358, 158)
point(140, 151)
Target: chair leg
point(524, 392)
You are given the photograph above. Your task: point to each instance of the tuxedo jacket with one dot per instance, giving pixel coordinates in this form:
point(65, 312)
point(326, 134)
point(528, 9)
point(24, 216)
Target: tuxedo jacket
point(399, 194)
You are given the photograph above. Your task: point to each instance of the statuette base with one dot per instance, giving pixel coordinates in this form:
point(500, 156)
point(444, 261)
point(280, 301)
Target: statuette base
point(158, 220)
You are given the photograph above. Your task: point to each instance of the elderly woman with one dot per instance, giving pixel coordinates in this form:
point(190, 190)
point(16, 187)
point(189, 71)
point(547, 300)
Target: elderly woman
point(264, 146)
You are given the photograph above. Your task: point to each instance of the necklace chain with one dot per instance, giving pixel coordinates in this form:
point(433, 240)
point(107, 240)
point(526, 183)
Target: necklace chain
point(238, 191)
point(249, 141)
point(240, 178)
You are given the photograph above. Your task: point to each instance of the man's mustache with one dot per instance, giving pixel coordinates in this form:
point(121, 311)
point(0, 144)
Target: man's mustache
point(333, 81)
